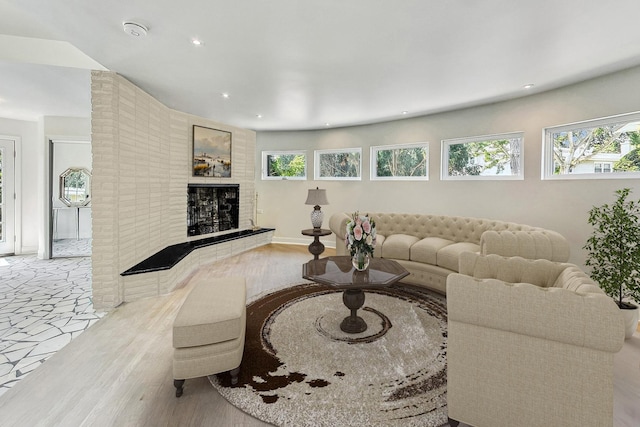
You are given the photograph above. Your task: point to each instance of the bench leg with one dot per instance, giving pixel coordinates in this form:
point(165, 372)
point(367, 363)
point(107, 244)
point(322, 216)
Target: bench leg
point(178, 385)
point(234, 375)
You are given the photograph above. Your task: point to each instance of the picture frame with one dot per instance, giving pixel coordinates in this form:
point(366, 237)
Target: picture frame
point(211, 152)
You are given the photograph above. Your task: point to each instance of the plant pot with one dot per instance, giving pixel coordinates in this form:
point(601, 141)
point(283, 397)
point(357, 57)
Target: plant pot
point(630, 313)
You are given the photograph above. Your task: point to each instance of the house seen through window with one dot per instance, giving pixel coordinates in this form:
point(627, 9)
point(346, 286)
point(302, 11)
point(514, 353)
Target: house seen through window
point(602, 148)
point(483, 157)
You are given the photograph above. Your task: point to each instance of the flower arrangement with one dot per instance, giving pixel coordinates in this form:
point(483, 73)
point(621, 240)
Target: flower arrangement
point(361, 234)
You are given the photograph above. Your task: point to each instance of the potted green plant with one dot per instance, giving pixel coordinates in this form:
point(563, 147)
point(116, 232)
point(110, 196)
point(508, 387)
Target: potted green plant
point(614, 253)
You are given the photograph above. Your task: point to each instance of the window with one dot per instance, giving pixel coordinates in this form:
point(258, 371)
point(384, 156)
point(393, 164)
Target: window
point(400, 162)
point(483, 157)
point(284, 165)
point(343, 164)
point(602, 148)
point(599, 167)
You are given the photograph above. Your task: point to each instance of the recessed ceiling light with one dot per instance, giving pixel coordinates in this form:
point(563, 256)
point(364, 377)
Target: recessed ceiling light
point(225, 95)
point(405, 112)
point(197, 42)
point(134, 29)
point(327, 124)
point(259, 116)
point(528, 86)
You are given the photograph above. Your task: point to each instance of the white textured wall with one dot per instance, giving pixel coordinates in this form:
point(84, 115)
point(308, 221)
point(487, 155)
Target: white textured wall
point(558, 205)
point(142, 156)
point(29, 149)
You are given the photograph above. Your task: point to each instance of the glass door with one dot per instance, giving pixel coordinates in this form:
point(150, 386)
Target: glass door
point(7, 197)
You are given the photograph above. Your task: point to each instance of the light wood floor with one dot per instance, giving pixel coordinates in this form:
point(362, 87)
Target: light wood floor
point(118, 373)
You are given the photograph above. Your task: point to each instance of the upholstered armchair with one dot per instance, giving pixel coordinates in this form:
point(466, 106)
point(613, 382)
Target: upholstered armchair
point(530, 343)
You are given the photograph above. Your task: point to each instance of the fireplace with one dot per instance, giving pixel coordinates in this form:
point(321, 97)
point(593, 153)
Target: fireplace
point(212, 208)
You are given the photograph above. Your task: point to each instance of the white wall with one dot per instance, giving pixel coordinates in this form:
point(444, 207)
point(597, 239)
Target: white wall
point(558, 205)
point(26, 181)
point(33, 169)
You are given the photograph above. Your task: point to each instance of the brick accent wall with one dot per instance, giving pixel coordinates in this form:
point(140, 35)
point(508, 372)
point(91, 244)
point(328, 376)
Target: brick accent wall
point(142, 160)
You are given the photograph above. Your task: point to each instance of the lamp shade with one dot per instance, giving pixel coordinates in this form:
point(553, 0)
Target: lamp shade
point(317, 197)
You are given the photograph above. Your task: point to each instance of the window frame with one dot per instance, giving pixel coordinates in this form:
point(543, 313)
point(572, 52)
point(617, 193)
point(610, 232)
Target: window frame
point(374, 161)
point(316, 164)
point(446, 143)
point(602, 167)
point(547, 148)
point(265, 166)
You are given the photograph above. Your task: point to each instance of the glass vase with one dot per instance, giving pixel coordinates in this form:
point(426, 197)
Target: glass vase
point(360, 260)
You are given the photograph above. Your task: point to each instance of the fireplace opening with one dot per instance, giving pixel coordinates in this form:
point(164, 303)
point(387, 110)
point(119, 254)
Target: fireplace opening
point(212, 208)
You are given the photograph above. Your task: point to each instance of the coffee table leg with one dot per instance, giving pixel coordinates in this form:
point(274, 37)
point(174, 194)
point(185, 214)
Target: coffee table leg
point(353, 299)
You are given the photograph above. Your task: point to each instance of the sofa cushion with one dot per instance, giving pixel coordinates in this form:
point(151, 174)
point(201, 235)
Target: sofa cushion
point(426, 249)
point(398, 246)
point(448, 256)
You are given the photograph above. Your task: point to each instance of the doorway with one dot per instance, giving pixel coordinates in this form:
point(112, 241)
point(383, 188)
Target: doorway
point(71, 233)
point(7, 197)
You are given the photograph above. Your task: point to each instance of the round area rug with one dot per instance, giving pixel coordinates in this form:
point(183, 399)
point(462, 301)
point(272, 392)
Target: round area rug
point(300, 369)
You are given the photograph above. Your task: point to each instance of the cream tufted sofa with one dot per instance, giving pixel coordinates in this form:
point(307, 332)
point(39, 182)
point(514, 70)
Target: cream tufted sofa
point(530, 343)
point(429, 246)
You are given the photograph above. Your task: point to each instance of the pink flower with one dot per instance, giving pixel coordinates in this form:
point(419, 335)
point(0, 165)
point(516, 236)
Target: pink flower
point(366, 226)
point(357, 232)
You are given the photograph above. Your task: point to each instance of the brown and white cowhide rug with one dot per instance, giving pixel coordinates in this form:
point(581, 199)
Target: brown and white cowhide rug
point(300, 369)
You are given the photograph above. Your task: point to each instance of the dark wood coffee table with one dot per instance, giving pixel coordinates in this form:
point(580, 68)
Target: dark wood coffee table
point(338, 272)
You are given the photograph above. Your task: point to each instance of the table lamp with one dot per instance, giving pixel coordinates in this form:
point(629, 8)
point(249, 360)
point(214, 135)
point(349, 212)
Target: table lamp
point(317, 197)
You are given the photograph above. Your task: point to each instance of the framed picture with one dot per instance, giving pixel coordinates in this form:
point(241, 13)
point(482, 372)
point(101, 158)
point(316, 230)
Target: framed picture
point(211, 152)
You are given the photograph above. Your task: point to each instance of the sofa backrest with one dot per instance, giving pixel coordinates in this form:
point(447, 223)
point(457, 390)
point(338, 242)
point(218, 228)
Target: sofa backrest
point(493, 237)
point(458, 229)
point(539, 272)
point(574, 279)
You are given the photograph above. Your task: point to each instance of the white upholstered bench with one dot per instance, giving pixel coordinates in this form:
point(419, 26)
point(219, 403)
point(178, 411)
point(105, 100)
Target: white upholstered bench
point(209, 330)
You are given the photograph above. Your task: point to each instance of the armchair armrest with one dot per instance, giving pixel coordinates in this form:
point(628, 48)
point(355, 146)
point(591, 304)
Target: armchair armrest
point(338, 225)
point(585, 320)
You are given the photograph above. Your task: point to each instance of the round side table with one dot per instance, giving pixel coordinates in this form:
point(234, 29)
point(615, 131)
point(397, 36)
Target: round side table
point(316, 247)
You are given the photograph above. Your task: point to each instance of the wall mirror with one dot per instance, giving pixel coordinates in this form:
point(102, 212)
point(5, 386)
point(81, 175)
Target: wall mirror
point(75, 185)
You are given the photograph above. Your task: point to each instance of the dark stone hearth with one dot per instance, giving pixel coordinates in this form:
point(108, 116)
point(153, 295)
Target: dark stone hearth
point(171, 255)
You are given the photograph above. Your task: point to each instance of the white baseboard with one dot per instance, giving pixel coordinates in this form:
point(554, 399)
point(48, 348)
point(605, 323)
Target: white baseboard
point(27, 250)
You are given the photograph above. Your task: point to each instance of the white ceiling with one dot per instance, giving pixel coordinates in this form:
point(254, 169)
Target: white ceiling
point(303, 64)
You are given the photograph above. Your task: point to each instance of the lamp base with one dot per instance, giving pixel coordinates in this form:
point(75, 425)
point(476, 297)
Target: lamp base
point(317, 216)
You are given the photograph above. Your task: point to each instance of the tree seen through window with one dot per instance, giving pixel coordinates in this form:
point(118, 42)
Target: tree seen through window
point(486, 157)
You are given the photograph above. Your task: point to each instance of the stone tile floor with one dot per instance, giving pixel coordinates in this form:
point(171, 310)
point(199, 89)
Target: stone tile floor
point(44, 304)
point(71, 247)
